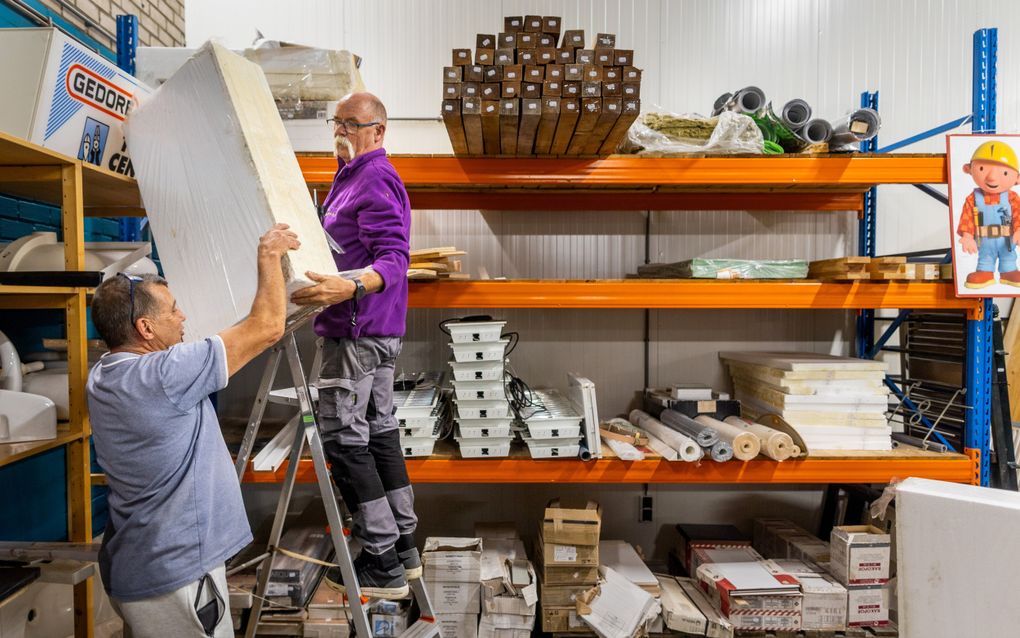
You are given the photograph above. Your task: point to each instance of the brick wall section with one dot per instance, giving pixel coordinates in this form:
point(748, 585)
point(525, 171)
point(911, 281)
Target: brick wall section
point(160, 22)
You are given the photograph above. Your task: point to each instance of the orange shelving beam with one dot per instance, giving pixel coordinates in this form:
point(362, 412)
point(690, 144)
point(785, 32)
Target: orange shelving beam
point(648, 293)
point(956, 468)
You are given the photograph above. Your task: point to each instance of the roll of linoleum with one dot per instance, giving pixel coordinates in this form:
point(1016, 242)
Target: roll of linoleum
point(746, 445)
point(702, 434)
point(688, 449)
point(774, 444)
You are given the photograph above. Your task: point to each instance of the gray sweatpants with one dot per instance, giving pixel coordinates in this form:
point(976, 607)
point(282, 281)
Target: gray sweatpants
point(360, 436)
point(172, 615)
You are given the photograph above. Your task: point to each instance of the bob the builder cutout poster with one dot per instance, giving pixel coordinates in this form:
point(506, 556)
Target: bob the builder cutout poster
point(984, 214)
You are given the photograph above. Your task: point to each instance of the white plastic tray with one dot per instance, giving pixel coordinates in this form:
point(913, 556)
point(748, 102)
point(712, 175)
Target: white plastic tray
point(475, 332)
point(417, 447)
point(484, 448)
point(555, 448)
point(476, 390)
point(419, 432)
point(484, 429)
point(485, 409)
point(478, 371)
point(549, 429)
point(471, 352)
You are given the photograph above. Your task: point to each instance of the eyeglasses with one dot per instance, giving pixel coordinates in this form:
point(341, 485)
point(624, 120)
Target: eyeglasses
point(347, 125)
point(132, 280)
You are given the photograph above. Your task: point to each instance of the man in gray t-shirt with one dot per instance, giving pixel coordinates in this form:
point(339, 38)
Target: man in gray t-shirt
point(176, 513)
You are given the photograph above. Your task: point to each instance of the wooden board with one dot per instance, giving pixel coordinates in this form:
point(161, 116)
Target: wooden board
point(531, 114)
point(803, 361)
point(591, 110)
point(471, 113)
point(509, 113)
point(631, 111)
point(612, 107)
point(570, 112)
point(490, 127)
point(547, 125)
point(454, 126)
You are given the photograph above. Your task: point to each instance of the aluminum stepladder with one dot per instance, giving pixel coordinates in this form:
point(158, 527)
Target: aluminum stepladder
point(308, 430)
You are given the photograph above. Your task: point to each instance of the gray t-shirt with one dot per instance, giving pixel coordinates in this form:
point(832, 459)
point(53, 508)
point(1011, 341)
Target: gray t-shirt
point(175, 503)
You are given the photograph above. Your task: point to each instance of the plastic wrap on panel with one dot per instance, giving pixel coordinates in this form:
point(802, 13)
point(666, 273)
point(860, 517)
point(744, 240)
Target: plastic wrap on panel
point(724, 134)
point(727, 269)
point(216, 171)
point(299, 73)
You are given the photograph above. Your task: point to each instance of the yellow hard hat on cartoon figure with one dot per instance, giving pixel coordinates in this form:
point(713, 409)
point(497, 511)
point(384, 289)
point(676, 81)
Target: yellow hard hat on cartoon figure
point(999, 152)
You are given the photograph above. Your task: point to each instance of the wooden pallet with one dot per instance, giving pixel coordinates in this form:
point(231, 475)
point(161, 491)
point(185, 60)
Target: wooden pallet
point(873, 269)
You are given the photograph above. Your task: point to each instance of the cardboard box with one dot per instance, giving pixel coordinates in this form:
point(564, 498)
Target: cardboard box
point(860, 555)
point(561, 595)
point(692, 534)
point(678, 611)
point(702, 553)
point(319, 628)
point(572, 526)
point(752, 596)
point(388, 626)
point(513, 594)
point(561, 620)
point(554, 554)
point(868, 606)
point(825, 603)
point(716, 625)
point(458, 625)
point(452, 560)
point(487, 630)
point(454, 598)
point(65, 97)
point(510, 621)
point(570, 575)
point(208, 234)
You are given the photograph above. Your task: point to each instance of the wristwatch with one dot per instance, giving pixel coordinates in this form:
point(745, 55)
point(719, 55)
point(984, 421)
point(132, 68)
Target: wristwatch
point(359, 290)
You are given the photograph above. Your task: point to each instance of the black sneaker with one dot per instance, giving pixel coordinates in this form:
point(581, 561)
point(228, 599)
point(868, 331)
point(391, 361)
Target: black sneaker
point(379, 576)
point(407, 552)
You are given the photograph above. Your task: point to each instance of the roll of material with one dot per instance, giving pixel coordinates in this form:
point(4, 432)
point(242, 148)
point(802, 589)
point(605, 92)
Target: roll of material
point(746, 445)
point(776, 445)
point(862, 124)
point(722, 451)
point(625, 451)
point(815, 132)
point(688, 449)
point(795, 114)
point(702, 435)
point(748, 100)
point(584, 453)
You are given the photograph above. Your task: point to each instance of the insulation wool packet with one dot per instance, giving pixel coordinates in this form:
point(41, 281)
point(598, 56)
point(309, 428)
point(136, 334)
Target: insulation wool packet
point(216, 171)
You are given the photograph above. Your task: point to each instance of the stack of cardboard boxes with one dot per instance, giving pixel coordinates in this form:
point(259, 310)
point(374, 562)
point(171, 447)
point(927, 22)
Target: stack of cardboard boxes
point(509, 583)
point(568, 555)
point(861, 561)
point(452, 576)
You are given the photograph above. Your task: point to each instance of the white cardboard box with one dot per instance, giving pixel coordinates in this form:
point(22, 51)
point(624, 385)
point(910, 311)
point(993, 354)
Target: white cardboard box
point(452, 560)
point(215, 174)
point(965, 538)
point(454, 598)
point(60, 94)
point(868, 606)
point(458, 625)
point(717, 625)
point(753, 596)
point(487, 630)
point(824, 606)
point(860, 555)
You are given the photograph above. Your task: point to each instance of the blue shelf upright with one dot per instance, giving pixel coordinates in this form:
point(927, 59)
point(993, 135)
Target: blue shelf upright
point(977, 427)
point(127, 50)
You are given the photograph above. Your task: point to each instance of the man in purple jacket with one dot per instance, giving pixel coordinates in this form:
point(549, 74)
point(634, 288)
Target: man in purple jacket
point(368, 214)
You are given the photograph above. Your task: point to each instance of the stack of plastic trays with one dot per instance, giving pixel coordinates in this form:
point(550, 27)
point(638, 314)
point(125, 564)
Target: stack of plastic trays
point(419, 406)
point(482, 410)
point(553, 429)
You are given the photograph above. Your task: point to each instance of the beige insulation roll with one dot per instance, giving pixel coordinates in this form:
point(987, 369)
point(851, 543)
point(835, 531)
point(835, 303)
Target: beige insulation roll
point(687, 448)
point(746, 445)
point(776, 445)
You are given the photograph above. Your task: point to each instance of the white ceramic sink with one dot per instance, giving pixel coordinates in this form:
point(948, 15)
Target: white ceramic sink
point(26, 417)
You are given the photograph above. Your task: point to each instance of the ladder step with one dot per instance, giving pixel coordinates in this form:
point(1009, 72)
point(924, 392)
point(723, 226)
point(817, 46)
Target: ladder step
point(423, 628)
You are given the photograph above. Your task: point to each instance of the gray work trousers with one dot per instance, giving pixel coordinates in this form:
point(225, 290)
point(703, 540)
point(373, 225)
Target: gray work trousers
point(361, 440)
point(172, 615)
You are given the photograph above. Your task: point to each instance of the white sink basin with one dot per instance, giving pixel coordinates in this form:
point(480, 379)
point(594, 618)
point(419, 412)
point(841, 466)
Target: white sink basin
point(26, 417)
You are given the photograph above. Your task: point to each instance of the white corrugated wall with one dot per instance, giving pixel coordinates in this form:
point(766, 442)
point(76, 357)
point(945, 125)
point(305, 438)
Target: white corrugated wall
point(917, 54)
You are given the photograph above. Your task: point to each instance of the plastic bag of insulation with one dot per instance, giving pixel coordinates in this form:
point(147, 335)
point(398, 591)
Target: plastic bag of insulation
point(725, 134)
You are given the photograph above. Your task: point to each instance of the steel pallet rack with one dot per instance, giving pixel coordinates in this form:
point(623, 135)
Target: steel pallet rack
point(820, 183)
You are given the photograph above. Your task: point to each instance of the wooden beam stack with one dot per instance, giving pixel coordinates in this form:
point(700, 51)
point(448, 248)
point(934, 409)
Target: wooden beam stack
point(873, 269)
point(534, 90)
point(436, 263)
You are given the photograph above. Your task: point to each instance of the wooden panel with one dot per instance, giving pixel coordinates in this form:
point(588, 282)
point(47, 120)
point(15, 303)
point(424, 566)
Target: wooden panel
point(73, 217)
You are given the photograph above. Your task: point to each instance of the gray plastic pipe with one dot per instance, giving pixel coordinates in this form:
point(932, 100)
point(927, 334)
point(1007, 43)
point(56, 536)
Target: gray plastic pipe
point(749, 99)
point(722, 451)
point(816, 131)
point(795, 114)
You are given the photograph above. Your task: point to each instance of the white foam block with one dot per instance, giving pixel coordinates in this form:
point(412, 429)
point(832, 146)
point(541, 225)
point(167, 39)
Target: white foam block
point(216, 171)
point(956, 548)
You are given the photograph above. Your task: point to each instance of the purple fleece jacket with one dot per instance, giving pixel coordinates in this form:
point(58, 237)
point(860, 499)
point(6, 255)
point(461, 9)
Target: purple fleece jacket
point(368, 213)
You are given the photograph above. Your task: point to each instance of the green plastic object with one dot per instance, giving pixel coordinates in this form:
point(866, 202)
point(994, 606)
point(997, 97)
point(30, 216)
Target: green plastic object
point(727, 269)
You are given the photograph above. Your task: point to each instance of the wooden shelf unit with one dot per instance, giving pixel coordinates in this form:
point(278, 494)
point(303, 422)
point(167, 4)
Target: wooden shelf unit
point(32, 172)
